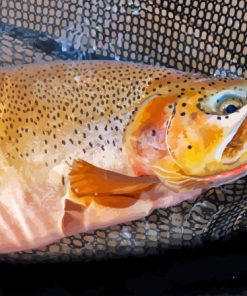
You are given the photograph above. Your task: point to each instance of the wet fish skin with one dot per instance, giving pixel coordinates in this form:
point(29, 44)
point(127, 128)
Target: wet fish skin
point(54, 114)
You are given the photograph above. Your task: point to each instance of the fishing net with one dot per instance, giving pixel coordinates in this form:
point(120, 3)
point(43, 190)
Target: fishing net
point(190, 35)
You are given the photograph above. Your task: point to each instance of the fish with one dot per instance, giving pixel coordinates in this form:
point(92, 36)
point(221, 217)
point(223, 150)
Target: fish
point(90, 144)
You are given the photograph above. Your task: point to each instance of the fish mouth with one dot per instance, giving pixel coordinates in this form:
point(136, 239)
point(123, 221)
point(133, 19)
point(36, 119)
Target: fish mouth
point(237, 146)
point(231, 157)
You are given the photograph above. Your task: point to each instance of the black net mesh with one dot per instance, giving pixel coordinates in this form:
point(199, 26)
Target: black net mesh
point(205, 36)
point(190, 35)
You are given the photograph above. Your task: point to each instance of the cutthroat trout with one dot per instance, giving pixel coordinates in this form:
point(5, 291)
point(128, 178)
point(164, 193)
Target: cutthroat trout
point(85, 145)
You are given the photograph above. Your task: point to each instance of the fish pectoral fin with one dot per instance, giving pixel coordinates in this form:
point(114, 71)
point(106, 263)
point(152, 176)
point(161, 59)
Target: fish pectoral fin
point(116, 201)
point(106, 187)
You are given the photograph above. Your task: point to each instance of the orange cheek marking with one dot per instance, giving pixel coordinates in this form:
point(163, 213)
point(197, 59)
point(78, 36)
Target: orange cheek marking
point(138, 139)
point(212, 135)
point(150, 115)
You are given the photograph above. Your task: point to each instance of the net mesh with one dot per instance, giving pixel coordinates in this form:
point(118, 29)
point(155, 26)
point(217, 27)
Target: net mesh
point(189, 35)
point(205, 36)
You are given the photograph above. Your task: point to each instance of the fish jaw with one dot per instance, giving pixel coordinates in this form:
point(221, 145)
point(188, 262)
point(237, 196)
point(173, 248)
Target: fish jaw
point(226, 169)
point(185, 183)
point(235, 150)
point(229, 153)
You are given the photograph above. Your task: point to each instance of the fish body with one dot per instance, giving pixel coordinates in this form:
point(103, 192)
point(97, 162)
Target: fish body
point(85, 145)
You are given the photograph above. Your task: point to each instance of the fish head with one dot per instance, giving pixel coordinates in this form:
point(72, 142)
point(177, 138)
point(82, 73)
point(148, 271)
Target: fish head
point(194, 137)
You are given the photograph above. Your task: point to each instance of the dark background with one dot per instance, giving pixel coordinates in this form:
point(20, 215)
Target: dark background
point(217, 268)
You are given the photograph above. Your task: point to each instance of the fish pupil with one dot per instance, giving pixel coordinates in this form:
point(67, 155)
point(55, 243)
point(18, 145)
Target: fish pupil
point(231, 109)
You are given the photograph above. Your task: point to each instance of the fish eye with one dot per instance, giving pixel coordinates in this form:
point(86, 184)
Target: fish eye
point(223, 103)
point(229, 106)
